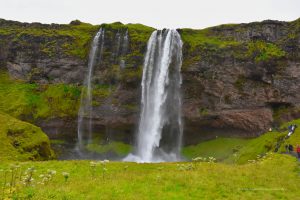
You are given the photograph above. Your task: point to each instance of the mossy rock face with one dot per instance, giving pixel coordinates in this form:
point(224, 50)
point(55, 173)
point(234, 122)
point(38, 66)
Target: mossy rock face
point(33, 101)
point(22, 141)
point(228, 67)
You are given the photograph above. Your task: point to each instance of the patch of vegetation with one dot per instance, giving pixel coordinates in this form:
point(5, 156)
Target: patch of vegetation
point(117, 147)
point(132, 75)
point(237, 150)
point(22, 141)
point(263, 51)
point(240, 82)
point(203, 111)
point(258, 147)
point(131, 107)
point(295, 137)
point(103, 90)
point(38, 101)
point(204, 37)
point(57, 142)
point(220, 148)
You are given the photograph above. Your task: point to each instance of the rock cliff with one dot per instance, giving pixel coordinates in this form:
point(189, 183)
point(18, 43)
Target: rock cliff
point(238, 79)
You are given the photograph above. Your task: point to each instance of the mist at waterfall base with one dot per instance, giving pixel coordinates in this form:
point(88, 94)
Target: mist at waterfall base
point(160, 127)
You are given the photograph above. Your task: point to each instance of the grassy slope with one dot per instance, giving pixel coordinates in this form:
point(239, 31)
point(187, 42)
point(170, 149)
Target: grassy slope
point(233, 150)
point(22, 141)
point(295, 138)
point(220, 148)
point(275, 177)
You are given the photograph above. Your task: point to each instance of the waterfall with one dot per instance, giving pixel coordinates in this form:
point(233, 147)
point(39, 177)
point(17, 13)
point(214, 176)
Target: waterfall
point(124, 49)
point(160, 127)
point(86, 109)
point(116, 50)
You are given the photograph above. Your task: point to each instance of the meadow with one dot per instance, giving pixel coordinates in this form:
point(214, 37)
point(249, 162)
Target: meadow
point(274, 176)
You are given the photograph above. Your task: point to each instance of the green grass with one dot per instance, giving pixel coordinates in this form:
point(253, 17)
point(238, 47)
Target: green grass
point(295, 138)
point(236, 150)
point(220, 148)
point(70, 39)
point(119, 148)
point(241, 151)
point(22, 141)
point(204, 37)
point(258, 147)
point(275, 177)
point(73, 39)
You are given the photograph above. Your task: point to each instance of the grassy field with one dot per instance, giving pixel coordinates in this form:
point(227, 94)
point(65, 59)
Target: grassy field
point(273, 177)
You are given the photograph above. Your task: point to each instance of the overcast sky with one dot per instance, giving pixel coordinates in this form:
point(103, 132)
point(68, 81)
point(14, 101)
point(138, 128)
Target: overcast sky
point(155, 13)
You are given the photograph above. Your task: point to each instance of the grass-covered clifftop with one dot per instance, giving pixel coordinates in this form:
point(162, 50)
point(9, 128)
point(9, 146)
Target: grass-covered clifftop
point(259, 42)
point(69, 39)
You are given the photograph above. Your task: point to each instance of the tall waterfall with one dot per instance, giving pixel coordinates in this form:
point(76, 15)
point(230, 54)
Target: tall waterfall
point(160, 127)
point(85, 112)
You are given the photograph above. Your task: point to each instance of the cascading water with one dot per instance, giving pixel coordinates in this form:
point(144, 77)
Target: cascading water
point(160, 127)
point(124, 50)
point(85, 111)
point(116, 50)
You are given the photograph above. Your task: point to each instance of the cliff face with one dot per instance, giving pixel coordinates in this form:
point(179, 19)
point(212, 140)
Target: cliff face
point(237, 79)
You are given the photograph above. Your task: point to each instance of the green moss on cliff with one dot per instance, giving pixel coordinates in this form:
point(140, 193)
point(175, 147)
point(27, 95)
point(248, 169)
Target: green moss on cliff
point(205, 45)
point(240, 83)
point(21, 99)
point(57, 100)
point(81, 36)
point(22, 141)
point(263, 51)
point(132, 75)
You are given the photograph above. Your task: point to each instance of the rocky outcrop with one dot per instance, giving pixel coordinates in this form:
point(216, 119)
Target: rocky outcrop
point(236, 78)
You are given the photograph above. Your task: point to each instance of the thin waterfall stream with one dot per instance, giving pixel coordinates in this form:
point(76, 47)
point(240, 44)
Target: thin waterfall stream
point(86, 109)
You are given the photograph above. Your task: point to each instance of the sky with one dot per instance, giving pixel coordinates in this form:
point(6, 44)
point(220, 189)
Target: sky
point(156, 13)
